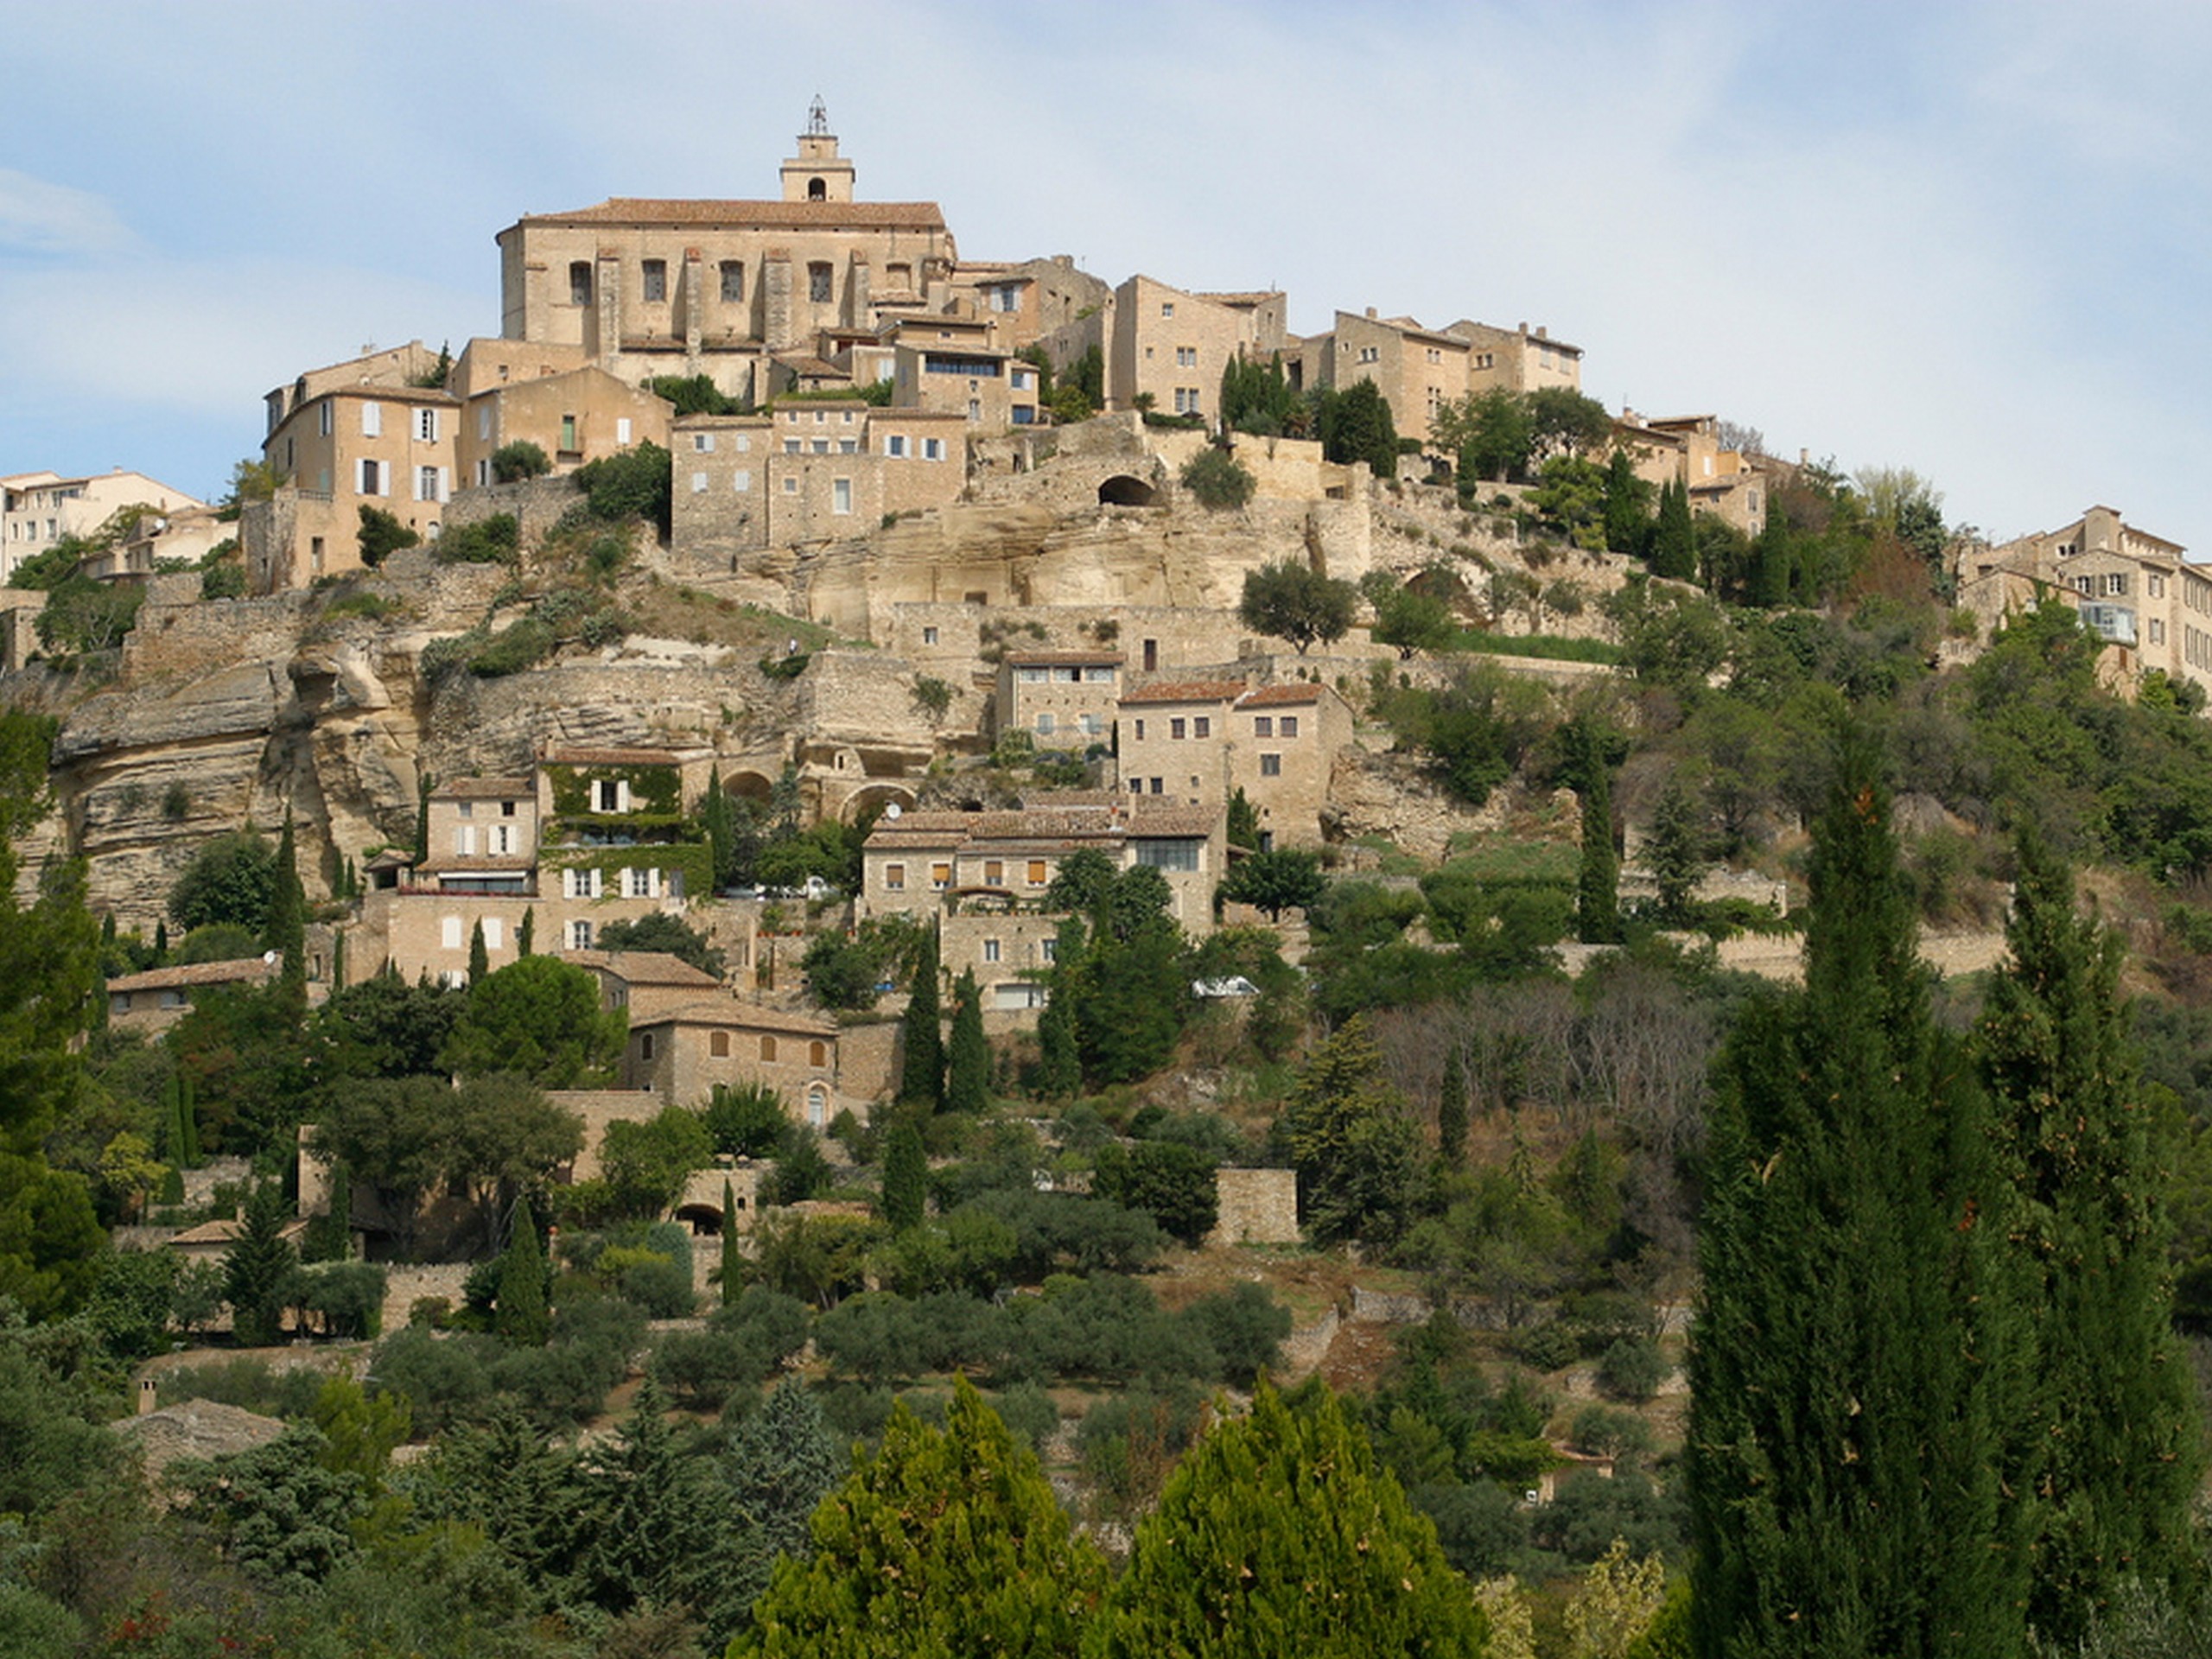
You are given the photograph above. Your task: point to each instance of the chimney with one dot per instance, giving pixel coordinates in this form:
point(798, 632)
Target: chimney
point(1370, 314)
point(149, 1394)
point(1542, 333)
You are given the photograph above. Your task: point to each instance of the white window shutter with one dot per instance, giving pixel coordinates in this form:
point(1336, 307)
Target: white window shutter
point(655, 888)
point(622, 796)
point(622, 429)
point(372, 419)
point(568, 883)
point(445, 483)
point(415, 476)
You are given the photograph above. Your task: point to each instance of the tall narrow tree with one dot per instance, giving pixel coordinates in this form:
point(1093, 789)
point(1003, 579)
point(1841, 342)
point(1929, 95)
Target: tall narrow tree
point(2113, 1417)
point(733, 1273)
point(480, 957)
point(968, 1067)
point(285, 930)
point(520, 1314)
point(1597, 893)
point(921, 1033)
point(906, 1177)
point(1451, 1111)
point(1674, 540)
point(1860, 1351)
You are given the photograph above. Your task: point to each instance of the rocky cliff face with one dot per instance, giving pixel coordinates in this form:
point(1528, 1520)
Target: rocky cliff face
point(227, 713)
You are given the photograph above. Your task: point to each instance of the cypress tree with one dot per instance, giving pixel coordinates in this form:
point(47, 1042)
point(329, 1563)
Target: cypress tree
point(906, 1178)
point(520, 1314)
point(173, 1138)
point(721, 831)
point(480, 957)
point(1675, 852)
point(338, 960)
point(1771, 559)
point(1628, 521)
point(161, 943)
point(189, 1120)
point(921, 1077)
point(1674, 541)
point(526, 934)
point(967, 1070)
point(423, 818)
point(285, 931)
point(1597, 893)
point(1451, 1111)
point(255, 1272)
point(2120, 1451)
point(732, 1274)
point(1859, 1355)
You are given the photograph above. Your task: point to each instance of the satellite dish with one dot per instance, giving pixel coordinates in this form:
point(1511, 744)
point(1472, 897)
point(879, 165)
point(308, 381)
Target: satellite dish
point(269, 957)
point(893, 810)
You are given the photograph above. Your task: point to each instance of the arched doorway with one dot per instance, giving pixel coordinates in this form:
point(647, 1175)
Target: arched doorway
point(1123, 491)
point(877, 797)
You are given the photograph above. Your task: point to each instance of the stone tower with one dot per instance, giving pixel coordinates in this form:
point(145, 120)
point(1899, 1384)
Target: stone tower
point(818, 173)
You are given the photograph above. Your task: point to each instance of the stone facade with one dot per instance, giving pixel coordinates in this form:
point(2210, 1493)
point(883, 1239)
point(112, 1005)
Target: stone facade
point(1062, 699)
point(40, 509)
point(680, 1054)
point(1256, 1206)
point(576, 417)
point(1198, 742)
point(154, 1001)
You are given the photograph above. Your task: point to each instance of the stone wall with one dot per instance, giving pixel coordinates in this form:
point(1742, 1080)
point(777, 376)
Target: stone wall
point(405, 1284)
point(1257, 1207)
point(536, 504)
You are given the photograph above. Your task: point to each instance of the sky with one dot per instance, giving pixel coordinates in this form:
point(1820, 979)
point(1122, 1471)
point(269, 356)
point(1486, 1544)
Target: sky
point(1970, 239)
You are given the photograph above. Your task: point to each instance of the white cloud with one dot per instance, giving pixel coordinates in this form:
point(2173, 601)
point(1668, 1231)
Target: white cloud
point(54, 221)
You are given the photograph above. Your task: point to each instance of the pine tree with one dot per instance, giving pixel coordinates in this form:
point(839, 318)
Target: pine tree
point(1674, 541)
point(520, 1313)
point(968, 1068)
point(906, 1178)
point(480, 957)
point(1597, 893)
point(946, 1542)
point(1859, 1361)
point(921, 1076)
point(2114, 1419)
point(783, 1461)
point(733, 1273)
point(1451, 1111)
point(1278, 1533)
point(1628, 515)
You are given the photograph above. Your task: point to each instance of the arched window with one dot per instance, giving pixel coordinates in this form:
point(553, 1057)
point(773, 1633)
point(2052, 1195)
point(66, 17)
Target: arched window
point(818, 1053)
point(818, 1105)
point(817, 190)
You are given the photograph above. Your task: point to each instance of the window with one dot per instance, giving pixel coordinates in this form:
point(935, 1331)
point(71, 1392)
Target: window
point(790, 487)
point(818, 1105)
point(841, 495)
point(1046, 724)
point(702, 443)
point(718, 1042)
point(1157, 786)
point(821, 446)
point(1140, 728)
point(464, 840)
point(426, 484)
point(932, 448)
point(610, 793)
point(698, 483)
point(646, 1047)
point(322, 422)
point(638, 882)
point(1290, 726)
point(791, 445)
point(372, 419)
point(1271, 766)
point(818, 1053)
point(1168, 855)
point(929, 636)
point(994, 875)
point(426, 425)
point(1186, 356)
point(741, 482)
point(499, 838)
point(450, 934)
point(1263, 725)
point(1201, 726)
point(1167, 307)
point(656, 272)
point(579, 936)
point(767, 1048)
point(894, 878)
point(849, 446)
point(1037, 876)
point(371, 479)
point(1370, 354)
point(818, 282)
point(568, 432)
point(2158, 632)
point(940, 877)
point(2115, 584)
point(894, 445)
point(733, 282)
point(580, 282)
point(990, 949)
point(1175, 729)
point(495, 933)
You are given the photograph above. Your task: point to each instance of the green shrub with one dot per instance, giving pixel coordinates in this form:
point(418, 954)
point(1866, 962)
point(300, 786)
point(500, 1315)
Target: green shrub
point(1608, 1432)
point(1548, 1347)
point(496, 540)
point(1632, 1368)
point(1218, 480)
point(382, 535)
point(223, 581)
point(512, 463)
point(634, 484)
point(519, 645)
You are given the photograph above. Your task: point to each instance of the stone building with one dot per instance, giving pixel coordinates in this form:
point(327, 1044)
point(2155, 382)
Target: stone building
point(1196, 742)
point(1062, 699)
point(154, 1001)
point(1734, 487)
point(40, 509)
point(809, 472)
point(2139, 593)
point(576, 414)
point(355, 434)
point(1169, 344)
point(680, 1054)
point(1417, 369)
point(648, 288)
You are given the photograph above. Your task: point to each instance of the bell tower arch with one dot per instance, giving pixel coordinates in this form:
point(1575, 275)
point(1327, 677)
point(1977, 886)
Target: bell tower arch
point(818, 173)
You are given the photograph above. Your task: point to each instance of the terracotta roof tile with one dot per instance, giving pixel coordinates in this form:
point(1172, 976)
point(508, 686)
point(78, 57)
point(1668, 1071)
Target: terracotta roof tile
point(1265, 696)
point(744, 1016)
point(798, 215)
point(195, 973)
point(644, 968)
point(481, 789)
point(1064, 659)
point(1184, 691)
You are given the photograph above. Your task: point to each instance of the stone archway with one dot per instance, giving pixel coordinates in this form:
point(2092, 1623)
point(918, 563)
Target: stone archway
point(750, 786)
point(878, 795)
point(1123, 491)
point(705, 1220)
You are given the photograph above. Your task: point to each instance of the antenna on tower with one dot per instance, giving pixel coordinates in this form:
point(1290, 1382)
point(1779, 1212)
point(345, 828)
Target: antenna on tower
point(818, 119)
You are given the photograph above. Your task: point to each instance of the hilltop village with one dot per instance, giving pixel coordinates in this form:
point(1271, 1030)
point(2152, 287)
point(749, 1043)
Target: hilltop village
point(980, 821)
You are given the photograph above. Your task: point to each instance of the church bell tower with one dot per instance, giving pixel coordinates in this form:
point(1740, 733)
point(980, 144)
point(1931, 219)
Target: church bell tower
point(818, 173)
